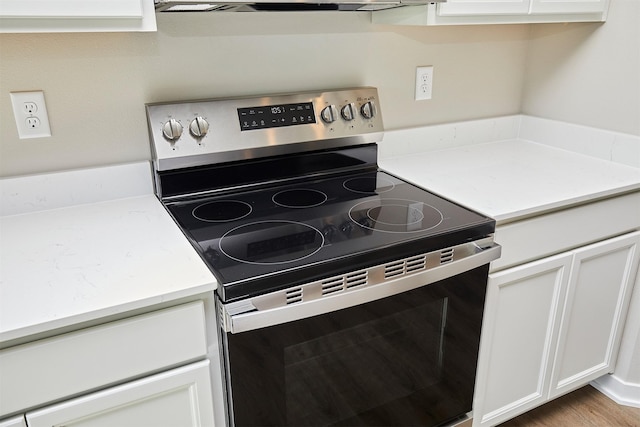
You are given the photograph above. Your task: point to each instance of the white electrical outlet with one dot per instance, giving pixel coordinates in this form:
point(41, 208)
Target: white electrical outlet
point(424, 82)
point(31, 116)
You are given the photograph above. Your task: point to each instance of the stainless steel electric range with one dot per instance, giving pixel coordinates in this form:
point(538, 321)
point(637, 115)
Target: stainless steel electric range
point(346, 295)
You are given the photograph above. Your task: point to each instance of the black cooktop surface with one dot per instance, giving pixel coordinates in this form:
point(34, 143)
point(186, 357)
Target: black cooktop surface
point(262, 240)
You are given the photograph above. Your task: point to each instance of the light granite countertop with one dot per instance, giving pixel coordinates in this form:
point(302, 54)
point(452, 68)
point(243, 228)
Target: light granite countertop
point(105, 251)
point(514, 179)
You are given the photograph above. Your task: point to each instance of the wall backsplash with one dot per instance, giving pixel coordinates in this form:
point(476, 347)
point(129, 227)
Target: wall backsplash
point(96, 85)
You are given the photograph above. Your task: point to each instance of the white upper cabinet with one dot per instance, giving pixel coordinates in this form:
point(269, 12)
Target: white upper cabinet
point(14, 422)
point(520, 7)
point(42, 16)
point(464, 12)
point(569, 6)
point(484, 7)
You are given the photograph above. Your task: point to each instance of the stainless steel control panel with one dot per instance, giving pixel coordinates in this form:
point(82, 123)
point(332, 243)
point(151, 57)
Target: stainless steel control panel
point(193, 133)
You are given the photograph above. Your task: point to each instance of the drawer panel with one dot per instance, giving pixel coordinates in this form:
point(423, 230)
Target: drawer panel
point(69, 364)
point(556, 232)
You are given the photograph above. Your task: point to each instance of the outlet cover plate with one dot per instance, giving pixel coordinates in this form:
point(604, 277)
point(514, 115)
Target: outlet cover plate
point(424, 82)
point(30, 113)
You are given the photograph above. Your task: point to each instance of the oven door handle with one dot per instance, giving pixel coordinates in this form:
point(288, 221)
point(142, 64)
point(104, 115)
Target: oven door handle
point(309, 300)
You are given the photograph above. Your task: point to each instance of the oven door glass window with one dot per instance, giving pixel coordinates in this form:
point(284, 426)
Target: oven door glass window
point(406, 360)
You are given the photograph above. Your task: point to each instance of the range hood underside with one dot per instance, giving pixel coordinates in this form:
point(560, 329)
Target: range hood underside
point(282, 6)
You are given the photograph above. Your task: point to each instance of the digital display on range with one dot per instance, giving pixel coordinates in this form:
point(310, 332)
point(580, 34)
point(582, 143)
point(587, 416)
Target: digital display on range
point(273, 116)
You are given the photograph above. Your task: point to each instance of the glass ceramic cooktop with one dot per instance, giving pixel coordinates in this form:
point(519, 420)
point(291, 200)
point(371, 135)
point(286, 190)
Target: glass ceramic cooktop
point(262, 240)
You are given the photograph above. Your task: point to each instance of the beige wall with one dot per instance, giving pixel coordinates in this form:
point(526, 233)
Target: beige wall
point(587, 74)
point(96, 85)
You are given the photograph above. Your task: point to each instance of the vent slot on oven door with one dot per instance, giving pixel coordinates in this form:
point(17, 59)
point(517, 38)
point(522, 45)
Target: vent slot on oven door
point(446, 256)
point(294, 295)
point(356, 279)
point(405, 266)
point(347, 281)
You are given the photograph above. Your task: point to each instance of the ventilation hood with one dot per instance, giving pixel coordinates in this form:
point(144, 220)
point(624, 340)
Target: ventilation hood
point(282, 5)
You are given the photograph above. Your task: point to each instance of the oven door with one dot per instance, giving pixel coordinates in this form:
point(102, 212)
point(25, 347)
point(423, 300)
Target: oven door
point(407, 359)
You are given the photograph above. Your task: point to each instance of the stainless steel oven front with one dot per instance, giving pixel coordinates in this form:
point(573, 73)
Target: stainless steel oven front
point(346, 295)
point(361, 348)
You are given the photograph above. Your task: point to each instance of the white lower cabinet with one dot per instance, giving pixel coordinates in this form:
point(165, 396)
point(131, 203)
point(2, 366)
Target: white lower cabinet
point(180, 397)
point(53, 369)
point(602, 276)
point(147, 370)
point(519, 330)
point(551, 326)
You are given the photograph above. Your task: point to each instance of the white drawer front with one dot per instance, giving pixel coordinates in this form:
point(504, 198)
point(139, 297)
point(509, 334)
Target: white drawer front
point(180, 397)
point(43, 371)
point(556, 232)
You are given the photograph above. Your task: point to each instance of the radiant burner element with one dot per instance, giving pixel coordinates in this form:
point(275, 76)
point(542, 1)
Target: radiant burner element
point(222, 211)
point(368, 185)
point(396, 215)
point(271, 242)
point(299, 198)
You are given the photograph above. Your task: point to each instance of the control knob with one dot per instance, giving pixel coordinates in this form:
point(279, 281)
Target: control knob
point(172, 129)
point(199, 127)
point(348, 111)
point(368, 110)
point(329, 114)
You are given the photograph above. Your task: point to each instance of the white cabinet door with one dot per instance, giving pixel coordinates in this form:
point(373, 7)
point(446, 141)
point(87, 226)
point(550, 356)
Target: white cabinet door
point(13, 422)
point(520, 7)
point(20, 16)
point(70, 364)
point(180, 397)
point(72, 8)
point(599, 290)
point(518, 337)
point(484, 7)
point(569, 6)
point(473, 12)
point(552, 326)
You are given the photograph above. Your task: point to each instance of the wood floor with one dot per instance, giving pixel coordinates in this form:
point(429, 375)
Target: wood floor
point(585, 407)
